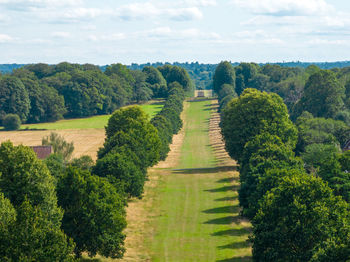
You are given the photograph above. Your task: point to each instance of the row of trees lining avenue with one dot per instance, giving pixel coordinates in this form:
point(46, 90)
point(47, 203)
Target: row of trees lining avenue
point(56, 209)
point(297, 204)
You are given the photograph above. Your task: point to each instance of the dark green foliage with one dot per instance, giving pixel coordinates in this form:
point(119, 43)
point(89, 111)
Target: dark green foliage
point(59, 145)
point(83, 162)
point(224, 74)
point(165, 133)
point(94, 214)
point(23, 176)
point(56, 164)
point(262, 153)
point(255, 112)
point(156, 81)
point(177, 74)
point(14, 98)
point(296, 218)
point(247, 76)
point(122, 167)
point(11, 122)
point(33, 232)
point(133, 125)
point(323, 95)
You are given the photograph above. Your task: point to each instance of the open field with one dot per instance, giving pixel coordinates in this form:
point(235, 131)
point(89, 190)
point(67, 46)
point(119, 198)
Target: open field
point(87, 123)
point(87, 133)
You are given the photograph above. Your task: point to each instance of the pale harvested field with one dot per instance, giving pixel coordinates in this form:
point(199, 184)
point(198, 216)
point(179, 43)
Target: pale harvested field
point(86, 141)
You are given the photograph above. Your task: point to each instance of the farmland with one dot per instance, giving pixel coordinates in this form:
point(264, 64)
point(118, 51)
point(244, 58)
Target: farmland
point(86, 133)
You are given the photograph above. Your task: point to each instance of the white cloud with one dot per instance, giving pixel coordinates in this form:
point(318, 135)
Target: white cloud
point(318, 41)
point(285, 7)
point(199, 2)
point(61, 34)
point(150, 10)
point(5, 38)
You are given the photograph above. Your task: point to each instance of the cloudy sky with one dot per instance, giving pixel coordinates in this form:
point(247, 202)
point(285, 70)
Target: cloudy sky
point(208, 31)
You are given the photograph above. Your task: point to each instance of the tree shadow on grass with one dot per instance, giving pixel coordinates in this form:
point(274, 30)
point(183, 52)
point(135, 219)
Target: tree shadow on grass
point(236, 245)
point(224, 220)
point(236, 259)
point(204, 170)
point(228, 179)
point(232, 232)
point(223, 189)
point(226, 209)
point(227, 198)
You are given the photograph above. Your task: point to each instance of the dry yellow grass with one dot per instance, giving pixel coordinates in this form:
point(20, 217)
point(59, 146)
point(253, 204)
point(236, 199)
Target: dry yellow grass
point(86, 141)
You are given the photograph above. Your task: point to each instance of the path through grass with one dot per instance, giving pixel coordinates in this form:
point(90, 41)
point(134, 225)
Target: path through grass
point(198, 202)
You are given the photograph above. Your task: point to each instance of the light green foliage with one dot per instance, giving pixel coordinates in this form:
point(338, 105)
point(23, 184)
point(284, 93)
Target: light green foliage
point(253, 113)
point(323, 95)
point(11, 122)
point(94, 214)
point(296, 218)
point(23, 176)
point(59, 145)
point(32, 237)
point(320, 131)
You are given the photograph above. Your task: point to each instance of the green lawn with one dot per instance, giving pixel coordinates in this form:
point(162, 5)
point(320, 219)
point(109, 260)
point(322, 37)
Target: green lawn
point(87, 123)
point(198, 203)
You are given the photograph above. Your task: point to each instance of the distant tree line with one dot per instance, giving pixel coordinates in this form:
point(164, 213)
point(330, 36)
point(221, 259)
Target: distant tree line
point(295, 180)
point(56, 209)
point(46, 93)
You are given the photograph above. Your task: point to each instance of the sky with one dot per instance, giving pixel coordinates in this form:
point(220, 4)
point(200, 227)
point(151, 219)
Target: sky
point(208, 31)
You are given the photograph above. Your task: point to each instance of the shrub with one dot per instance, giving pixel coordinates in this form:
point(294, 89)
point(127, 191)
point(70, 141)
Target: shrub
point(11, 122)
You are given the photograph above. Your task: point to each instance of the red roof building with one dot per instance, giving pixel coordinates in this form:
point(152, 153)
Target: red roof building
point(42, 151)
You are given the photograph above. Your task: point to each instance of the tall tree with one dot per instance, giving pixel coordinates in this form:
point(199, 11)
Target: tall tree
point(323, 95)
point(253, 113)
point(224, 74)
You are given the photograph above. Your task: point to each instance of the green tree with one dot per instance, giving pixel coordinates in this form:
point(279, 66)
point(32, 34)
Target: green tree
point(14, 98)
point(323, 95)
point(295, 218)
point(59, 145)
point(94, 214)
point(34, 238)
point(11, 122)
point(24, 176)
point(132, 123)
point(156, 81)
point(224, 74)
point(255, 112)
point(177, 74)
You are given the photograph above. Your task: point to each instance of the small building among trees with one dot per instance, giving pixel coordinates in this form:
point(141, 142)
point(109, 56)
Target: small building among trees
point(42, 152)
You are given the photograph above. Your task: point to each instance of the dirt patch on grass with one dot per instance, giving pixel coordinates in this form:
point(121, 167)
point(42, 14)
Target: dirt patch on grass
point(141, 212)
point(216, 141)
point(86, 141)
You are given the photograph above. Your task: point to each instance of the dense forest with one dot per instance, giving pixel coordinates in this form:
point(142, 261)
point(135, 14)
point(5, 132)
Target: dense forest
point(295, 180)
point(45, 93)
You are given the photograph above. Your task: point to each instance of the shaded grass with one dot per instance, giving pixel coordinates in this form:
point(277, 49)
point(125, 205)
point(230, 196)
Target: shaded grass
point(86, 123)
